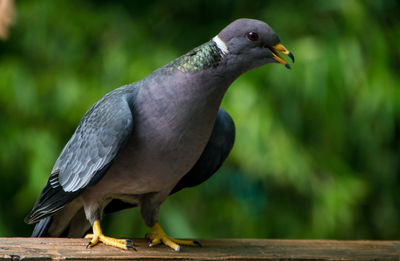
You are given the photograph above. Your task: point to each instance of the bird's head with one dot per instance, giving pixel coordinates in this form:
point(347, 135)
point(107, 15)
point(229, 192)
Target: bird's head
point(253, 43)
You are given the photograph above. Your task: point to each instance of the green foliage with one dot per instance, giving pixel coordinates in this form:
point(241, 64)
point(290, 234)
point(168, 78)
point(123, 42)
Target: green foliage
point(317, 148)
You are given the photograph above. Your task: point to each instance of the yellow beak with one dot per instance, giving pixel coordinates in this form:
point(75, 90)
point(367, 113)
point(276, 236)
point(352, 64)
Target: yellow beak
point(277, 56)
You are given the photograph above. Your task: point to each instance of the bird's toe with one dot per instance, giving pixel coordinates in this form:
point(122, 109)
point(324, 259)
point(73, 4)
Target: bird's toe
point(116, 242)
point(158, 236)
point(109, 241)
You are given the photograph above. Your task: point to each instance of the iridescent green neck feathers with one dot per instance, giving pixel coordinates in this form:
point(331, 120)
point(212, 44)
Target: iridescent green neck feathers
point(203, 57)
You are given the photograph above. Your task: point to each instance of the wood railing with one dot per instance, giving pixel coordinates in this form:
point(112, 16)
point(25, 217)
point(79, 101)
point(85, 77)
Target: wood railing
point(212, 249)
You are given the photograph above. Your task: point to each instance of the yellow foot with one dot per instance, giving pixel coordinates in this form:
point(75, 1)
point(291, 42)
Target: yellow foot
point(158, 236)
point(109, 241)
point(98, 236)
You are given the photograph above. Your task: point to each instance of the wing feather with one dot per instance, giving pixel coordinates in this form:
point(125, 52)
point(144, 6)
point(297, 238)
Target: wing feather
point(88, 154)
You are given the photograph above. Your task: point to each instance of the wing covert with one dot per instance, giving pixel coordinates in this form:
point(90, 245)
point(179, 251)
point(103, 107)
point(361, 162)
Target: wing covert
point(95, 143)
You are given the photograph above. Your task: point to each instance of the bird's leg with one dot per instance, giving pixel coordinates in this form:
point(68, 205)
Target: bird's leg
point(158, 236)
point(98, 236)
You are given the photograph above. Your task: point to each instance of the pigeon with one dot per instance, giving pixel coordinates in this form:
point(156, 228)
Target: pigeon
point(149, 139)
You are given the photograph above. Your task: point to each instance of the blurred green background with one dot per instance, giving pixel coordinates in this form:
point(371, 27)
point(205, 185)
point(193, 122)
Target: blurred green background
point(317, 148)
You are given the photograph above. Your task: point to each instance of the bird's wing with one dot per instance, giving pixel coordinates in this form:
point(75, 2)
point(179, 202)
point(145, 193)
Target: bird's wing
point(215, 153)
point(96, 142)
point(88, 154)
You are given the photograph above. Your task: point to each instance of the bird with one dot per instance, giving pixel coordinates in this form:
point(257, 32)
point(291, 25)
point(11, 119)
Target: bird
point(149, 139)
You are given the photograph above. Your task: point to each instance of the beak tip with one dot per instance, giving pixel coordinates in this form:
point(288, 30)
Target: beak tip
point(277, 57)
point(291, 56)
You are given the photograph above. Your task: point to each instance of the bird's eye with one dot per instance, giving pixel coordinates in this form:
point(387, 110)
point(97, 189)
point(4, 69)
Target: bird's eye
point(252, 36)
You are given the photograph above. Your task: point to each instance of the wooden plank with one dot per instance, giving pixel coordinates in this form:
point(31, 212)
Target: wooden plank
point(213, 249)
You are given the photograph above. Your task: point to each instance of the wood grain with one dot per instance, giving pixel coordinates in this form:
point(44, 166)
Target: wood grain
point(213, 249)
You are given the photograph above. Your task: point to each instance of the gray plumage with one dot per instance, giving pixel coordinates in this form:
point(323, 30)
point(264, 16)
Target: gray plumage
point(149, 139)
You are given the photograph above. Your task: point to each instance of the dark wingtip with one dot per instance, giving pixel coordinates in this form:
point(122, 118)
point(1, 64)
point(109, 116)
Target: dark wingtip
point(32, 218)
point(27, 220)
point(287, 66)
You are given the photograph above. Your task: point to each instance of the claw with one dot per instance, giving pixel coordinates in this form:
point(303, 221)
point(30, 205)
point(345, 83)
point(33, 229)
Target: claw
point(131, 247)
point(197, 243)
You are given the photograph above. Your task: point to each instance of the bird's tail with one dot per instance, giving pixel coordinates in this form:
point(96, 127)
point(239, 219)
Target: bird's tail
point(42, 227)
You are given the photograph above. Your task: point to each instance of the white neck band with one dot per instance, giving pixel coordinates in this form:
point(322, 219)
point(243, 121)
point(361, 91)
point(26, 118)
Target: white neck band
point(221, 45)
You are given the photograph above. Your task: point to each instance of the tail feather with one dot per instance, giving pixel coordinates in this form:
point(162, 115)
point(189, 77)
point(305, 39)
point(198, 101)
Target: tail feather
point(42, 227)
point(52, 199)
point(68, 222)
